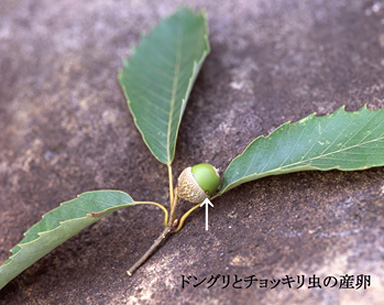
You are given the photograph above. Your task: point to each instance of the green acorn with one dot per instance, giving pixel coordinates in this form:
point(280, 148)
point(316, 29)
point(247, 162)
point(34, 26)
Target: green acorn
point(198, 182)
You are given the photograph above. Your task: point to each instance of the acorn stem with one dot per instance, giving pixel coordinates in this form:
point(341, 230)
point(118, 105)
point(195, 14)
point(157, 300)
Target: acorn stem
point(173, 209)
point(150, 251)
point(171, 225)
point(168, 223)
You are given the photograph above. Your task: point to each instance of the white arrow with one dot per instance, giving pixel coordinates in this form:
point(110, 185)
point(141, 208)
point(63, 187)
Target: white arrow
point(207, 203)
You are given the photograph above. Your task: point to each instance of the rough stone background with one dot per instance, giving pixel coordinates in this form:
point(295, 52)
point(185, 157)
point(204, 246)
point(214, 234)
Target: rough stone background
point(65, 129)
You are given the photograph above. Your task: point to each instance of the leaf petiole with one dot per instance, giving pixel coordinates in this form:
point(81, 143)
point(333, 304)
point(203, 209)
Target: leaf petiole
point(159, 206)
point(182, 219)
point(171, 191)
point(186, 214)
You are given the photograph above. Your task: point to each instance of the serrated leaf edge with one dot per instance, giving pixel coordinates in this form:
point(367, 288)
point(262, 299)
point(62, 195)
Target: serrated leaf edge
point(61, 223)
point(196, 68)
point(302, 168)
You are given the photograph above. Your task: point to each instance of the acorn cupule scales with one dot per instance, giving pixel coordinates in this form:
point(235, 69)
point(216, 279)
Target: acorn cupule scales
point(198, 182)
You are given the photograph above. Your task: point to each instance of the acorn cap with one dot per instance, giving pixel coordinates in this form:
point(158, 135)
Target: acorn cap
point(188, 188)
point(198, 182)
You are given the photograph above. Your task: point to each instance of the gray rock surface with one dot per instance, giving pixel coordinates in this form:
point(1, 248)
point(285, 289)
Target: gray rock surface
point(65, 129)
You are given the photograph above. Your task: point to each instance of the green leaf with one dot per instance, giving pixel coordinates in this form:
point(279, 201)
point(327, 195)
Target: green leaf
point(342, 140)
point(60, 224)
point(158, 79)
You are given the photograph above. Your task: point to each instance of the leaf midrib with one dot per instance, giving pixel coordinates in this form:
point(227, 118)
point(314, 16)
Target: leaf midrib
point(176, 72)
